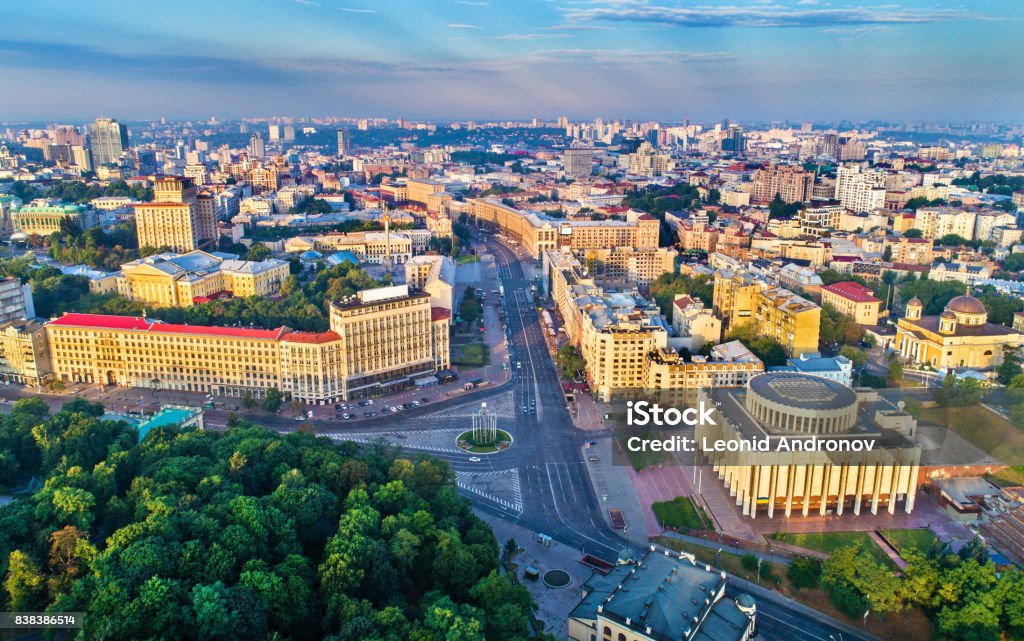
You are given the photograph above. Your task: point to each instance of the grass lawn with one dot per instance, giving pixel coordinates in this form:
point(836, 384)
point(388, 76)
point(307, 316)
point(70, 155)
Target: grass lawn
point(471, 355)
point(907, 625)
point(984, 429)
point(680, 513)
point(468, 258)
point(484, 449)
point(920, 539)
point(829, 542)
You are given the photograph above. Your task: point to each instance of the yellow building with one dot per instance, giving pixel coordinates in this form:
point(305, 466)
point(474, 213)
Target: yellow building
point(538, 233)
point(24, 353)
point(854, 300)
point(960, 336)
point(810, 426)
point(182, 280)
point(421, 190)
point(43, 217)
point(368, 246)
point(174, 219)
point(676, 380)
point(794, 321)
point(379, 341)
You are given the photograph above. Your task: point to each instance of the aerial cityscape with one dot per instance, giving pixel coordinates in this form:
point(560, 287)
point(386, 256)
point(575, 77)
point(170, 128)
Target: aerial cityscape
point(622, 320)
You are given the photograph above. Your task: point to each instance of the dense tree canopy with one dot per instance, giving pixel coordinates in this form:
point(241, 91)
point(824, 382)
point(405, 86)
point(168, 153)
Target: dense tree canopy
point(769, 350)
point(664, 289)
point(246, 534)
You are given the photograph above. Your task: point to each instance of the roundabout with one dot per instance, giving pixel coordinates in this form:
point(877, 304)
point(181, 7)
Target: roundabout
point(502, 441)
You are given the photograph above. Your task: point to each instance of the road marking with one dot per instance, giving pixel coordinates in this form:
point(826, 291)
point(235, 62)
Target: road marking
point(558, 512)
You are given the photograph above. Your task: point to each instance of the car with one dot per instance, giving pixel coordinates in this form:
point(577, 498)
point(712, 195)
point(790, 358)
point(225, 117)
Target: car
point(533, 410)
point(363, 403)
point(474, 459)
point(300, 418)
point(415, 403)
point(526, 410)
point(393, 410)
point(346, 416)
point(369, 401)
point(369, 414)
point(425, 400)
point(594, 459)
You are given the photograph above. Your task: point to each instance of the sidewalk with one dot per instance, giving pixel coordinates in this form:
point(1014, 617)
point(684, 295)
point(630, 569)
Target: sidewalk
point(615, 491)
point(553, 604)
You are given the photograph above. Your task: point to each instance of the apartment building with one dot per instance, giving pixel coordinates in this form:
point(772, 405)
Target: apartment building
point(674, 379)
point(859, 189)
point(741, 298)
point(792, 183)
point(696, 236)
point(628, 265)
point(434, 275)
point(911, 251)
point(15, 300)
point(182, 280)
point(380, 340)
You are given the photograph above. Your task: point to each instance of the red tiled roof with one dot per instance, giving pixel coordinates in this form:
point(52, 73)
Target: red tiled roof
point(109, 321)
point(439, 313)
point(684, 302)
point(311, 337)
point(645, 217)
point(102, 321)
point(852, 291)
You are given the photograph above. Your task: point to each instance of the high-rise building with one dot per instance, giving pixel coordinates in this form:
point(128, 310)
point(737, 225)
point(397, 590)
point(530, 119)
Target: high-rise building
point(256, 148)
point(343, 142)
point(860, 189)
point(107, 139)
point(734, 140)
point(275, 132)
point(174, 220)
point(289, 132)
point(792, 183)
point(578, 162)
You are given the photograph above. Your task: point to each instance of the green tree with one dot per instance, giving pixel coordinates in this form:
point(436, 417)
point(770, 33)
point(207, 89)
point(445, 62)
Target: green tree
point(895, 372)
point(856, 355)
point(570, 360)
point(258, 252)
point(273, 400)
point(25, 585)
point(1010, 368)
point(804, 573)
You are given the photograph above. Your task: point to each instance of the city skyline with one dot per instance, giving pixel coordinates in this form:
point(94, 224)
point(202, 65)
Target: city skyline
point(458, 59)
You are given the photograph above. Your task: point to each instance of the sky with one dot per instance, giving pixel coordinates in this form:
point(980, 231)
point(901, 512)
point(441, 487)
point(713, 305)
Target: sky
point(484, 59)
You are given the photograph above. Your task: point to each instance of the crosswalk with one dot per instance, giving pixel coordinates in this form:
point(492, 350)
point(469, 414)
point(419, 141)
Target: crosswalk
point(480, 484)
point(503, 405)
point(440, 441)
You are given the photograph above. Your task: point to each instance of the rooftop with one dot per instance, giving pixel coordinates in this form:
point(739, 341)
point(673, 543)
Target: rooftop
point(852, 291)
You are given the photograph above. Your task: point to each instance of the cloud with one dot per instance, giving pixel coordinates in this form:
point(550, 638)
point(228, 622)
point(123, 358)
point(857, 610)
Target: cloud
point(308, 3)
point(628, 56)
point(761, 16)
point(351, 10)
point(458, 25)
point(531, 36)
point(473, 3)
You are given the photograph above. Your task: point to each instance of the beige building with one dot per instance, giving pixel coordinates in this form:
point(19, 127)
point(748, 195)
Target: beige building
point(911, 251)
point(174, 219)
point(380, 340)
point(792, 183)
point(181, 280)
point(537, 233)
point(24, 353)
point(960, 336)
point(627, 265)
point(434, 275)
point(854, 300)
point(368, 247)
point(741, 298)
point(814, 459)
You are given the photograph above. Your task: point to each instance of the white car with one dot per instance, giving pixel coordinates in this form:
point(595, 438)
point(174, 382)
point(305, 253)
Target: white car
point(474, 459)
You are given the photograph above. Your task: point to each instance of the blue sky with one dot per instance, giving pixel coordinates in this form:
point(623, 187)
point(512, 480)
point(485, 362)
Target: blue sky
point(665, 59)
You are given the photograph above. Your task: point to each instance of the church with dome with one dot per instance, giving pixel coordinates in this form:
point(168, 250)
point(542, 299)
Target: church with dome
point(959, 337)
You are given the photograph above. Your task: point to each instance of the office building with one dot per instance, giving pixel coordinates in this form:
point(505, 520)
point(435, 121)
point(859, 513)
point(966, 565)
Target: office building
point(578, 162)
point(434, 275)
point(801, 411)
point(343, 142)
point(108, 139)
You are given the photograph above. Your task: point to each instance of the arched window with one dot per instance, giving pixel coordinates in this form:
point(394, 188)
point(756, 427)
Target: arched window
point(988, 352)
point(607, 632)
point(622, 637)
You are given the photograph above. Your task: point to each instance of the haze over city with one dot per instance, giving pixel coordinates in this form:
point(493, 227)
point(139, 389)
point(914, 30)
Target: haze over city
point(460, 59)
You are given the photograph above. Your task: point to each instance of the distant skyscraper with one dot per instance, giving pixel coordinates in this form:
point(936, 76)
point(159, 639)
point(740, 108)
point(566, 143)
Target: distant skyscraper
point(289, 132)
point(343, 142)
point(275, 132)
point(734, 140)
point(107, 139)
point(578, 162)
point(256, 149)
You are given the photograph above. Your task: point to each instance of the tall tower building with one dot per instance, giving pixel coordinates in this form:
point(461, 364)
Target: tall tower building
point(107, 139)
point(175, 219)
point(578, 162)
point(343, 142)
point(256, 149)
